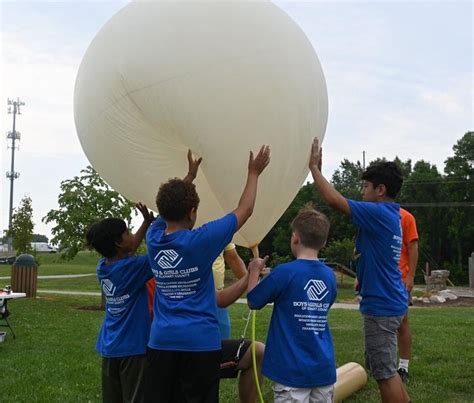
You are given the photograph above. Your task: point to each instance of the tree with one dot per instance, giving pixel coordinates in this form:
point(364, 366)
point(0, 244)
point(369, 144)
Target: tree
point(459, 172)
point(84, 200)
point(21, 230)
point(39, 238)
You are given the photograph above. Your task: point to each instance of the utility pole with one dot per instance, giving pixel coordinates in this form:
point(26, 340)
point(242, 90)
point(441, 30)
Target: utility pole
point(13, 107)
point(363, 160)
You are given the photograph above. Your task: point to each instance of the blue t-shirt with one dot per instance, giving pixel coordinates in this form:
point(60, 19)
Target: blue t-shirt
point(185, 295)
point(126, 326)
point(379, 244)
point(299, 351)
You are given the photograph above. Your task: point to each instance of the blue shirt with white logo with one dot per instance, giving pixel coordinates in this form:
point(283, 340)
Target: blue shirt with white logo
point(299, 350)
point(185, 302)
point(379, 245)
point(126, 326)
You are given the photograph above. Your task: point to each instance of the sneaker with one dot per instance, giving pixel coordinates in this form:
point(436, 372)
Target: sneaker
point(403, 375)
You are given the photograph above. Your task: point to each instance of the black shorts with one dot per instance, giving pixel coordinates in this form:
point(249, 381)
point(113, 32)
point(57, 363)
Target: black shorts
point(123, 379)
point(229, 350)
point(182, 376)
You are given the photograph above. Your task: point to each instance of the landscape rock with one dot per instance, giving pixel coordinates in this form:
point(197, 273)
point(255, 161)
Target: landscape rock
point(438, 299)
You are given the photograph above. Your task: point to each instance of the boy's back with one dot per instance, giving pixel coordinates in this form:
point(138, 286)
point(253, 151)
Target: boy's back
point(299, 350)
point(182, 265)
point(379, 242)
point(126, 326)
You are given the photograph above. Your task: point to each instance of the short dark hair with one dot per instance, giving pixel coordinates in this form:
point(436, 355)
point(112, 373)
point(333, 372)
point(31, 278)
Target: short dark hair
point(385, 173)
point(175, 199)
point(103, 235)
point(312, 226)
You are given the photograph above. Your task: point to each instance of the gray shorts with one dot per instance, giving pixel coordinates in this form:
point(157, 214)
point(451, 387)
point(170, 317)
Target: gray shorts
point(380, 338)
point(287, 394)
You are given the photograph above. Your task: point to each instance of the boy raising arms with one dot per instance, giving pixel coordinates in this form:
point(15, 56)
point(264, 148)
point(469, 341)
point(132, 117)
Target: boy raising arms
point(379, 242)
point(185, 343)
point(124, 334)
point(299, 353)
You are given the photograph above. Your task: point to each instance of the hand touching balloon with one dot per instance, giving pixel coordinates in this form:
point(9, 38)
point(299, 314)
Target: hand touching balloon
point(316, 157)
point(259, 163)
point(193, 166)
point(247, 201)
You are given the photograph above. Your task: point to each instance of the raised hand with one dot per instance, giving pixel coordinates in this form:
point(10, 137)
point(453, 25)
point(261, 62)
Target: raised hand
point(258, 265)
point(316, 157)
point(258, 164)
point(148, 216)
point(193, 165)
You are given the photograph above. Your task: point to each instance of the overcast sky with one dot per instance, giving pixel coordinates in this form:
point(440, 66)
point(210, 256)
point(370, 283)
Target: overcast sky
point(399, 77)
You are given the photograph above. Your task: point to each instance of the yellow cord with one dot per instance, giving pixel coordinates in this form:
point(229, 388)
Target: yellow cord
point(254, 358)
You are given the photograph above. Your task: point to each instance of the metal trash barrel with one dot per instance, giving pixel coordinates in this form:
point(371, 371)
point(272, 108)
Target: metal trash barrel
point(24, 276)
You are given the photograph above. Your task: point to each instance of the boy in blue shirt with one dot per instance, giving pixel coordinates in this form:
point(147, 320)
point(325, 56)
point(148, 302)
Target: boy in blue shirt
point(124, 334)
point(185, 344)
point(299, 353)
point(379, 242)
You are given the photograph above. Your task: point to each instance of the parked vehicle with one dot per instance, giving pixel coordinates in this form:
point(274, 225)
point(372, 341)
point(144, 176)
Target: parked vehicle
point(43, 247)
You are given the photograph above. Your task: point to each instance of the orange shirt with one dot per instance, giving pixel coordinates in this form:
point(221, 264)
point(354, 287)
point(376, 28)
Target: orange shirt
point(409, 234)
point(150, 286)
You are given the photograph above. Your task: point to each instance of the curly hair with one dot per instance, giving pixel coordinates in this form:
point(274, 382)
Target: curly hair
point(175, 199)
point(312, 227)
point(385, 173)
point(103, 235)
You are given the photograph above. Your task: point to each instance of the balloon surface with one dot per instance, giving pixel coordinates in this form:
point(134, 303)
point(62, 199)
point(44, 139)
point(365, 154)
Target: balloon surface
point(219, 78)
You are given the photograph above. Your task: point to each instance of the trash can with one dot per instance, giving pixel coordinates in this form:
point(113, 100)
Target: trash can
point(25, 275)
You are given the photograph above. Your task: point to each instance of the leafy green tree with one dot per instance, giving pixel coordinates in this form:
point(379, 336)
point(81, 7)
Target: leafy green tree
point(21, 230)
point(459, 172)
point(84, 200)
point(340, 251)
point(39, 238)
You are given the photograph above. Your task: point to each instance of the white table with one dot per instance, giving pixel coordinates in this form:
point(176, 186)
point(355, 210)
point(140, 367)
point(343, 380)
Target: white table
point(5, 296)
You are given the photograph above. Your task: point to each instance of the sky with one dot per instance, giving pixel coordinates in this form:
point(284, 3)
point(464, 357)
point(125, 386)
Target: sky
point(399, 77)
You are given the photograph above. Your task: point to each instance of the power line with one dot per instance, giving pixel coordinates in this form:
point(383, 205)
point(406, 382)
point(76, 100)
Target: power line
point(436, 182)
point(439, 204)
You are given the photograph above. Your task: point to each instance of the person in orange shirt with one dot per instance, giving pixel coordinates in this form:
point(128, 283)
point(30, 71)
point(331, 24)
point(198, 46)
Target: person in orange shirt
point(408, 262)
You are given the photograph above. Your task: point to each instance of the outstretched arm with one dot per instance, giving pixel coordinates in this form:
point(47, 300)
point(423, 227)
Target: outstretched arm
point(247, 201)
point(147, 220)
point(255, 268)
point(330, 195)
point(229, 295)
point(235, 262)
point(193, 166)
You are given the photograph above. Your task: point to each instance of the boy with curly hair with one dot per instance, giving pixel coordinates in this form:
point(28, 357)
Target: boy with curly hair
point(185, 344)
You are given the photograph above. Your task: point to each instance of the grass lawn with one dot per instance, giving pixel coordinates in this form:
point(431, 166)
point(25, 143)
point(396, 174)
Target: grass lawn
point(51, 264)
point(53, 357)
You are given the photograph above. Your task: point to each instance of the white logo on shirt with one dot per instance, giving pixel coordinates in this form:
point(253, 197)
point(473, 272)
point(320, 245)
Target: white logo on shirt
point(108, 287)
point(316, 290)
point(168, 259)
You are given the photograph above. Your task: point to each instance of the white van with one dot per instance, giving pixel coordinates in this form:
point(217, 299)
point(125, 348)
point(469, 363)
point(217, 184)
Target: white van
point(43, 247)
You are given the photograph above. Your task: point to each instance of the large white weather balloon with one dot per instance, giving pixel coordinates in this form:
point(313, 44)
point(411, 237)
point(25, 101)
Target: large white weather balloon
point(218, 77)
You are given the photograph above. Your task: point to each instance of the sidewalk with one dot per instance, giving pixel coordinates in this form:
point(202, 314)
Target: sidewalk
point(336, 305)
point(56, 276)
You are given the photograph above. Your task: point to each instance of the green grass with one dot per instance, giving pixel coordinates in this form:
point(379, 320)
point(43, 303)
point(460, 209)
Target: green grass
point(52, 263)
point(53, 357)
point(70, 284)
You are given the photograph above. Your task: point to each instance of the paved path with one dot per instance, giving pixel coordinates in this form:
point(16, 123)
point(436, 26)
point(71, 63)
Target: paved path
point(56, 276)
point(62, 292)
point(239, 301)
